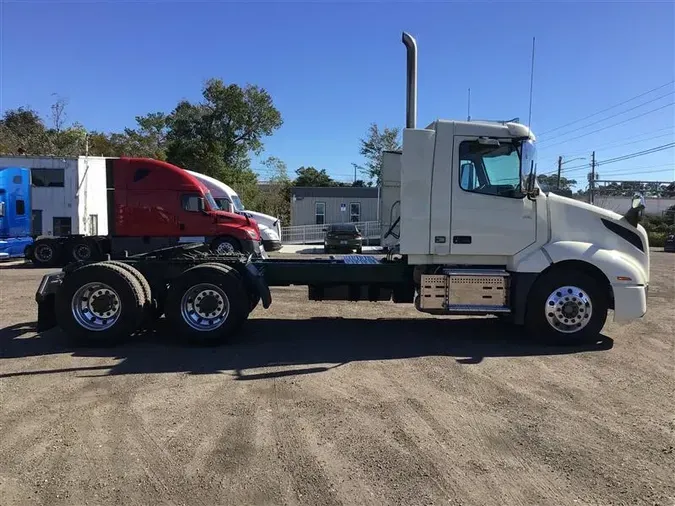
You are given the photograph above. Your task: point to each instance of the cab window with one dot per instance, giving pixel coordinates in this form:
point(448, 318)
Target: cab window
point(490, 169)
point(192, 202)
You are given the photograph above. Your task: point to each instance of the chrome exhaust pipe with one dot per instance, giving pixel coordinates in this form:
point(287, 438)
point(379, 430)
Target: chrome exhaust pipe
point(411, 81)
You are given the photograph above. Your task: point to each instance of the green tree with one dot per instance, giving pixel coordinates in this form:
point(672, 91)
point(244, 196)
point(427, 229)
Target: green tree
point(275, 195)
point(23, 131)
point(309, 176)
point(550, 182)
point(148, 139)
point(372, 147)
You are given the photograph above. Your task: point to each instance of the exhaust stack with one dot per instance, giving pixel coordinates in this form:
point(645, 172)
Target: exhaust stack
point(411, 81)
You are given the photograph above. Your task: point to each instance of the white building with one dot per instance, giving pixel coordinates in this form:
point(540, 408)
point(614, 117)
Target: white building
point(68, 194)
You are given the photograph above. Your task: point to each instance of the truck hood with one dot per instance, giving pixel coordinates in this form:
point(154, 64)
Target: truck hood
point(263, 219)
point(270, 227)
point(573, 220)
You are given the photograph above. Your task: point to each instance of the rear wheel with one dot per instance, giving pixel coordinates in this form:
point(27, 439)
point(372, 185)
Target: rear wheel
point(100, 304)
point(46, 253)
point(81, 250)
point(566, 307)
point(207, 303)
point(152, 307)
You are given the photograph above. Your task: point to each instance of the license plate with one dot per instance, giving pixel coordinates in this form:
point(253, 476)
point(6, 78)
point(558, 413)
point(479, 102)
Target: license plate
point(343, 242)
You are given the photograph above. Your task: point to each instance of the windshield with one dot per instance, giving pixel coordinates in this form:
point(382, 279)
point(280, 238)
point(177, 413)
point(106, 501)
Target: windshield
point(212, 203)
point(238, 206)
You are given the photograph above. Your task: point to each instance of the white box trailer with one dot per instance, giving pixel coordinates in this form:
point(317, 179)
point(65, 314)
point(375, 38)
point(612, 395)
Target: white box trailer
point(68, 194)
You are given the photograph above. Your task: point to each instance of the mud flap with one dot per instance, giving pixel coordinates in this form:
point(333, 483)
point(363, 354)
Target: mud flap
point(258, 281)
point(46, 313)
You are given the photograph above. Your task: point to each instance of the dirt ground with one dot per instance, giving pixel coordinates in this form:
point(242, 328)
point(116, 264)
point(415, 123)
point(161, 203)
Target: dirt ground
point(339, 403)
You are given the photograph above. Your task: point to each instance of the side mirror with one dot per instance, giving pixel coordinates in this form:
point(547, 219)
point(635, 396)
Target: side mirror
point(638, 201)
point(531, 189)
point(637, 205)
point(2, 209)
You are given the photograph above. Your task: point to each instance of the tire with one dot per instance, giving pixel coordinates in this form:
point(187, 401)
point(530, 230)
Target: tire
point(571, 292)
point(359, 250)
point(46, 253)
point(152, 307)
point(81, 250)
point(125, 309)
point(226, 245)
point(222, 288)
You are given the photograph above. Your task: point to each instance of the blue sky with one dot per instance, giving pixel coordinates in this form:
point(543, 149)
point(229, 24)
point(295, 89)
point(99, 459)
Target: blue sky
point(333, 68)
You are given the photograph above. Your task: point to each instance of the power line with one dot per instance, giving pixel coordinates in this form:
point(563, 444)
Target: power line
point(639, 153)
point(608, 109)
point(614, 124)
point(621, 143)
point(621, 158)
point(617, 114)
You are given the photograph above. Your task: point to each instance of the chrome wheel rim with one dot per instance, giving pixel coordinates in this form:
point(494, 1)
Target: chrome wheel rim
point(568, 309)
point(96, 306)
point(44, 253)
point(82, 252)
point(205, 307)
point(224, 247)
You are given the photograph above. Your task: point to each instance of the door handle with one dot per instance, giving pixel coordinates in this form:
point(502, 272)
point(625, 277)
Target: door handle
point(181, 226)
point(461, 239)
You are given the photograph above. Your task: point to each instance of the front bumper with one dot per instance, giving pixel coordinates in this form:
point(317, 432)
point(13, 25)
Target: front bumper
point(271, 245)
point(343, 244)
point(630, 302)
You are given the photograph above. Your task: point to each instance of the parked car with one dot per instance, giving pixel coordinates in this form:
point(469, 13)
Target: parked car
point(342, 237)
point(670, 243)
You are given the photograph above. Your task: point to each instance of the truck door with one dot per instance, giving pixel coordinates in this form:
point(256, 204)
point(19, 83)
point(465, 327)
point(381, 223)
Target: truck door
point(490, 214)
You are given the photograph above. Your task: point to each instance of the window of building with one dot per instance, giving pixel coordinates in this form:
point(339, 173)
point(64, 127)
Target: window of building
point(62, 226)
point(320, 212)
point(490, 170)
point(93, 224)
point(355, 212)
point(53, 178)
point(192, 202)
point(20, 207)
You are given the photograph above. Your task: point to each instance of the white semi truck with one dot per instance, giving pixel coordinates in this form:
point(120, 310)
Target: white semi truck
point(228, 200)
point(476, 236)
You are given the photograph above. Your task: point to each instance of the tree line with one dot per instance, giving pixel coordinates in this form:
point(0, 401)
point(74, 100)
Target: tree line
point(216, 136)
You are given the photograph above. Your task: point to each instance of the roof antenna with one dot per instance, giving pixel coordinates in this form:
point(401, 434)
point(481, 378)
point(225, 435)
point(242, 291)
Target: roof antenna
point(529, 116)
point(468, 109)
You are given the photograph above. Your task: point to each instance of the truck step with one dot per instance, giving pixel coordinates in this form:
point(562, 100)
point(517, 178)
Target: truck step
point(360, 259)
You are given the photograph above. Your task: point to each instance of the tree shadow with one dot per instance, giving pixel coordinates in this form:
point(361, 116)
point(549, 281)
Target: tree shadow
point(294, 347)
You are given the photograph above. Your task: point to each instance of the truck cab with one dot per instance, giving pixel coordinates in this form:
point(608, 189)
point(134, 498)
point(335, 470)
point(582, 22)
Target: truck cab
point(15, 211)
point(155, 198)
point(228, 200)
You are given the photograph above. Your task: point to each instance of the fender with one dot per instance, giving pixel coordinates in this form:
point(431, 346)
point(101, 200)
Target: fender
point(621, 269)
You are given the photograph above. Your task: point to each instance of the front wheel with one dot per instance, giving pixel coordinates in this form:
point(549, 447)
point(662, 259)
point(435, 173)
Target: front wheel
point(566, 307)
point(226, 246)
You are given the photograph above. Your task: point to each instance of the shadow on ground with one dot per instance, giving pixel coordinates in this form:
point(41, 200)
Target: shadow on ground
point(297, 346)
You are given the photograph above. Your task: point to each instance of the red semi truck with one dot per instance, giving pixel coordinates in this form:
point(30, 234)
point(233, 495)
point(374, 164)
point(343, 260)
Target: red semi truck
point(152, 204)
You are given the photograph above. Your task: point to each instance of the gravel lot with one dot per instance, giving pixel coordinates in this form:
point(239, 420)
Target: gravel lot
point(339, 403)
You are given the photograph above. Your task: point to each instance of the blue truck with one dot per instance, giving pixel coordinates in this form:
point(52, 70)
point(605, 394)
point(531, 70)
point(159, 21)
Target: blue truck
point(15, 212)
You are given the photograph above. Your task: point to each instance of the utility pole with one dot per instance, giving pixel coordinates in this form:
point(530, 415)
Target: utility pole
point(591, 187)
point(559, 170)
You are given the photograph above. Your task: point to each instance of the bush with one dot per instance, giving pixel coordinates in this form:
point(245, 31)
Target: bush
point(657, 239)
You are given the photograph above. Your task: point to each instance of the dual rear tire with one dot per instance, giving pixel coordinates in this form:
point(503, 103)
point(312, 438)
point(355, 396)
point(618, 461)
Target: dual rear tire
point(104, 303)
